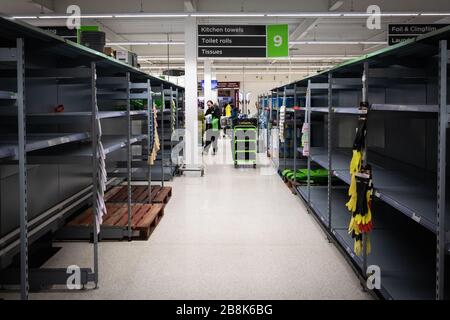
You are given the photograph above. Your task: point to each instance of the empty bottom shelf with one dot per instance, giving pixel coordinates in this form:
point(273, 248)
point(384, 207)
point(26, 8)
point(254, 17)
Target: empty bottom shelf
point(404, 251)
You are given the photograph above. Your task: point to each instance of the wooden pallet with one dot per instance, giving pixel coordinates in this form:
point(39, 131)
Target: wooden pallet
point(144, 218)
point(139, 194)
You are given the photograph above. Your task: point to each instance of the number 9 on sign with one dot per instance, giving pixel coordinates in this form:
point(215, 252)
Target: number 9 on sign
point(278, 40)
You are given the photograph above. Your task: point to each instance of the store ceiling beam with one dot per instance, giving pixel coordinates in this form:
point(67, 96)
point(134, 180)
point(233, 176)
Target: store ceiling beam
point(190, 6)
point(181, 15)
point(308, 24)
point(45, 6)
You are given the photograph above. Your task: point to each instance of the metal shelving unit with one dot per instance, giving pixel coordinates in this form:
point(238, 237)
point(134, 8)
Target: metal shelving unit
point(95, 91)
point(408, 110)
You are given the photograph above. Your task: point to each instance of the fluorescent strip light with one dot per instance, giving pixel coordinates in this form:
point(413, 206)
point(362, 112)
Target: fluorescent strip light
point(24, 17)
point(287, 59)
point(357, 14)
point(437, 14)
point(272, 66)
point(395, 14)
point(97, 16)
point(305, 67)
point(144, 43)
point(305, 15)
point(147, 43)
point(150, 58)
point(317, 58)
point(236, 15)
point(270, 73)
point(335, 42)
point(151, 15)
point(56, 17)
point(227, 15)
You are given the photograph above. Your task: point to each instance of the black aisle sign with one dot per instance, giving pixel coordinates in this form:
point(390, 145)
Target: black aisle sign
point(231, 41)
point(64, 32)
point(402, 32)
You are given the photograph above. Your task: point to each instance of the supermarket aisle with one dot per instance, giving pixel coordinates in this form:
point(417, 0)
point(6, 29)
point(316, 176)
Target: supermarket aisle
point(233, 234)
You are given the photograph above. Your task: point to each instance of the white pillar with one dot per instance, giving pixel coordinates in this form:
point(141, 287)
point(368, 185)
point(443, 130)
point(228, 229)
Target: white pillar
point(214, 93)
point(207, 85)
point(191, 96)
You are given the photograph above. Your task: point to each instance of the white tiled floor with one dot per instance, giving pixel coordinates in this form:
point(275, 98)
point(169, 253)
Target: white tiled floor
point(233, 234)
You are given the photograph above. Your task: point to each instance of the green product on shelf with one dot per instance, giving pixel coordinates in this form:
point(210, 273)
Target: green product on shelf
point(286, 172)
point(157, 102)
point(318, 176)
point(138, 104)
point(215, 124)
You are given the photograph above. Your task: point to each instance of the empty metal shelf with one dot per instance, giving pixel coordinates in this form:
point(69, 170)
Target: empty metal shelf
point(6, 95)
point(339, 159)
point(339, 110)
point(102, 114)
point(43, 141)
point(78, 153)
point(395, 255)
point(319, 110)
point(405, 108)
point(410, 196)
point(6, 152)
point(318, 201)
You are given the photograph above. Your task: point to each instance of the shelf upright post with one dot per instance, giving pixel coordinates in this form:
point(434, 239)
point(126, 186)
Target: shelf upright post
point(269, 127)
point(176, 109)
point(278, 127)
point(23, 206)
point(284, 129)
point(129, 154)
point(365, 99)
point(172, 124)
point(150, 134)
point(330, 146)
point(95, 154)
point(163, 105)
point(295, 130)
point(308, 117)
point(267, 105)
point(441, 172)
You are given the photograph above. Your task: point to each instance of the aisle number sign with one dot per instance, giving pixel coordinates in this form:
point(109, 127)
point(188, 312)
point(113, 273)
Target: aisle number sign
point(243, 41)
point(277, 40)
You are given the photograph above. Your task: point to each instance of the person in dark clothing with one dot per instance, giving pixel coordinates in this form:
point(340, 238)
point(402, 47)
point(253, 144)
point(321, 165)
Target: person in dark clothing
point(234, 114)
point(212, 115)
point(217, 114)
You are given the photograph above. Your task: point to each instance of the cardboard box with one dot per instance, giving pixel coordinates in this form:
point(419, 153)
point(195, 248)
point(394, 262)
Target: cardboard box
point(109, 52)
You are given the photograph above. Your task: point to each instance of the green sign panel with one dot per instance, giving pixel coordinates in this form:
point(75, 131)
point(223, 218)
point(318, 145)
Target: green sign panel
point(277, 40)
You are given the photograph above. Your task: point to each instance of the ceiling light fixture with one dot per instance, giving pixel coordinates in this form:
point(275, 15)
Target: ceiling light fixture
point(236, 15)
point(55, 17)
point(23, 17)
point(335, 42)
point(437, 14)
point(226, 15)
point(145, 43)
point(151, 15)
point(97, 16)
point(305, 15)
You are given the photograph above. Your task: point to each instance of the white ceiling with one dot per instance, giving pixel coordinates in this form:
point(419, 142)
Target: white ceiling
point(161, 29)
